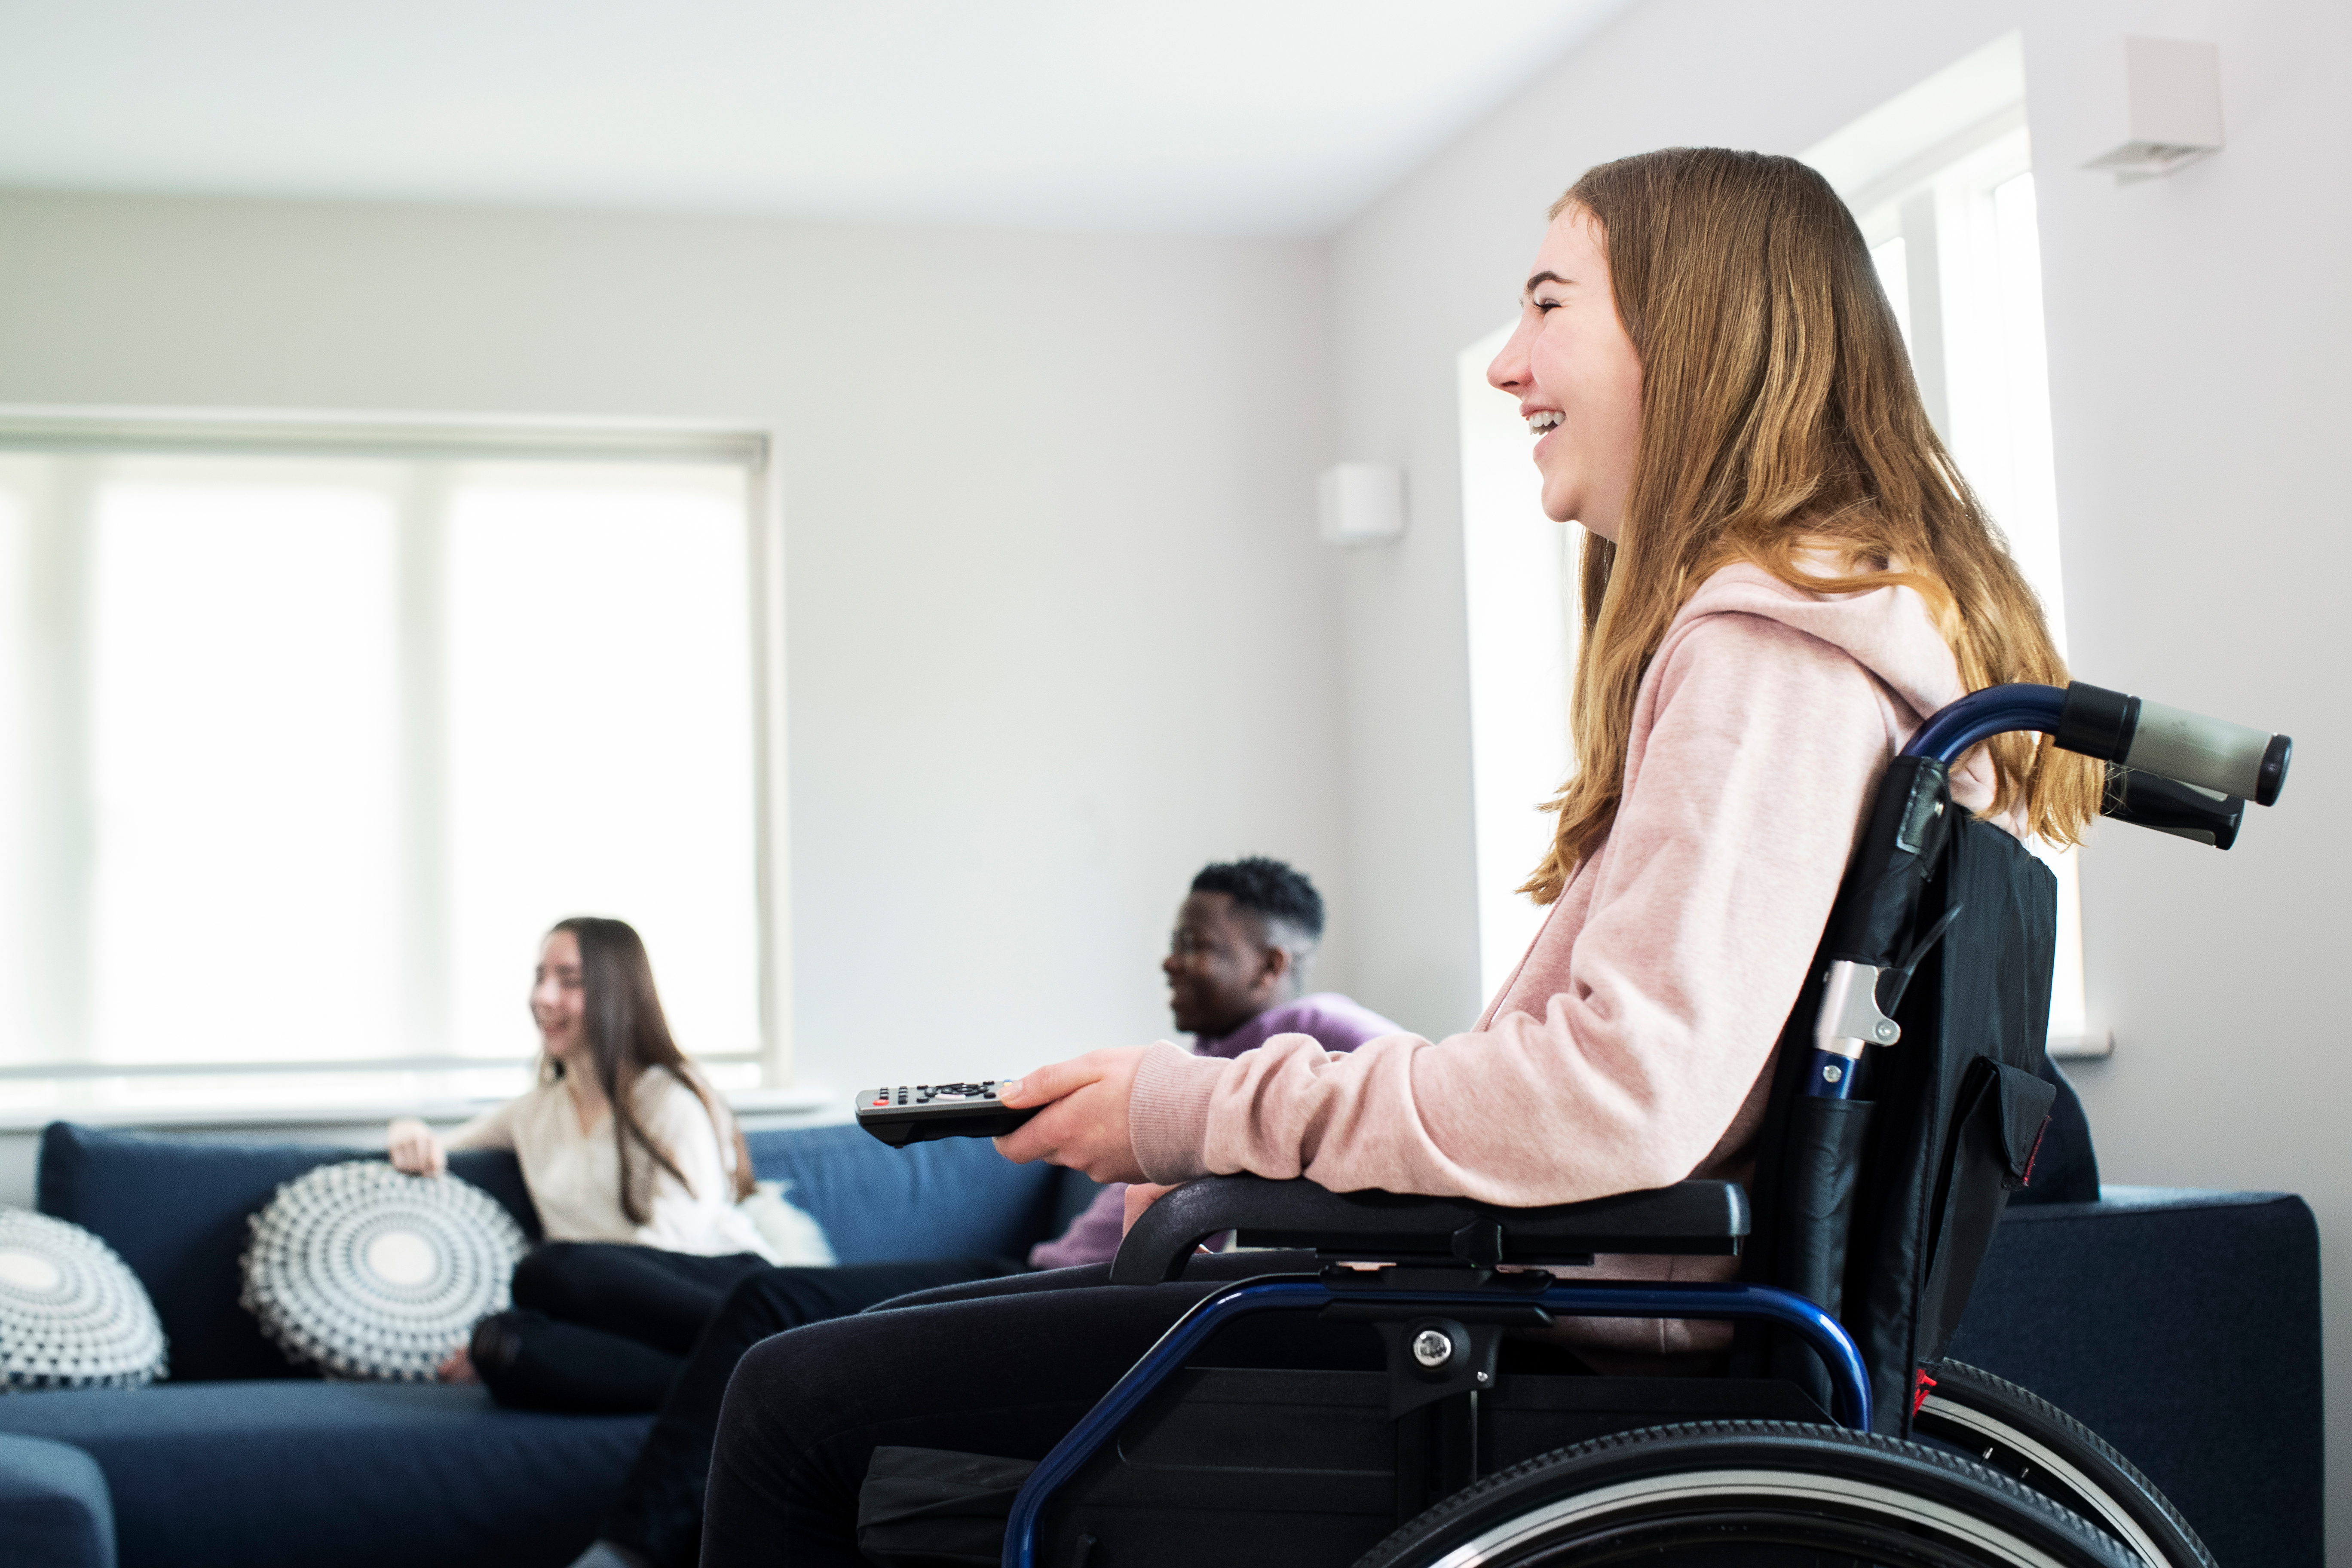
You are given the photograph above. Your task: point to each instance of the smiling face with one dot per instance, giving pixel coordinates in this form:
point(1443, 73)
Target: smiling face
point(1576, 378)
point(559, 998)
point(1221, 972)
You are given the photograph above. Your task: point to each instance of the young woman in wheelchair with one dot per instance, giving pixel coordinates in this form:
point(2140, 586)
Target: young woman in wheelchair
point(1783, 575)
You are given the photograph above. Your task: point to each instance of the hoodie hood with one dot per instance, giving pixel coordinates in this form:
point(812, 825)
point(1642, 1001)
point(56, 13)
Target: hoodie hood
point(1887, 631)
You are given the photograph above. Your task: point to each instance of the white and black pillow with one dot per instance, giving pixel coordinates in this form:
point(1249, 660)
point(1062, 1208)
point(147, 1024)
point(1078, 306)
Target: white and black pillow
point(373, 1275)
point(72, 1315)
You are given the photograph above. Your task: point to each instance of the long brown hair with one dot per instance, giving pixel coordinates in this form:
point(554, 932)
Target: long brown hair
point(628, 1036)
point(1779, 415)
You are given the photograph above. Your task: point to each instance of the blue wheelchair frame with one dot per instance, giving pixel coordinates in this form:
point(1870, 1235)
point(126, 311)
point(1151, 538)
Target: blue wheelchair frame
point(1944, 737)
point(1295, 1291)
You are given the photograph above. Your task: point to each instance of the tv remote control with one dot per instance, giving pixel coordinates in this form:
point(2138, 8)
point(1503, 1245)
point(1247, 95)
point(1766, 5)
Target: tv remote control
point(917, 1113)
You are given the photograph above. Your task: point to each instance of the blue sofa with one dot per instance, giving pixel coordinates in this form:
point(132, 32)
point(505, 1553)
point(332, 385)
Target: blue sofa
point(2183, 1326)
point(241, 1459)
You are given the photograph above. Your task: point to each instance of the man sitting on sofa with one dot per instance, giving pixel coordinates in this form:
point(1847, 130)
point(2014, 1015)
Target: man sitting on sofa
point(1237, 968)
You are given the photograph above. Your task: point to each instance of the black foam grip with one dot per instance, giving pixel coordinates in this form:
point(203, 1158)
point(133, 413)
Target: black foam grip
point(2097, 723)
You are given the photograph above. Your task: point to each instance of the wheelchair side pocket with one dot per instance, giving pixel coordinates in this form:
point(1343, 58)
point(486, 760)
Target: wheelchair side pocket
point(929, 1508)
point(1821, 1169)
point(2003, 1110)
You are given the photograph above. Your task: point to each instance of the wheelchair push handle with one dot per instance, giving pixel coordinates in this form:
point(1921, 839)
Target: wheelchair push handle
point(2174, 744)
point(2168, 769)
point(2146, 737)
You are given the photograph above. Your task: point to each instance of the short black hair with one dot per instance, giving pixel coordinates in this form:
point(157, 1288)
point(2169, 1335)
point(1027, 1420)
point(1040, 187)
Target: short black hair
point(1268, 890)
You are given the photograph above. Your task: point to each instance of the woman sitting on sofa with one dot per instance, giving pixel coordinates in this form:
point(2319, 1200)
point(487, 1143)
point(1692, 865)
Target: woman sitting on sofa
point(637, 1170)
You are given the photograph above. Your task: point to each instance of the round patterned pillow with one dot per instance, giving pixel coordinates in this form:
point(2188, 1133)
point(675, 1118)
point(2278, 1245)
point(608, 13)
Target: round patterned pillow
point(72, 1315)
point(375, 1274)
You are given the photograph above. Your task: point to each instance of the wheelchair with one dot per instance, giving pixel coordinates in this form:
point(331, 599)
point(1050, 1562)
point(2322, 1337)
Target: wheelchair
point(1910, 1098)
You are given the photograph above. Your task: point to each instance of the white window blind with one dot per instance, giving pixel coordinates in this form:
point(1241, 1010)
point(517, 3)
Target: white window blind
point(1519, 574)
point(305, 749)
point(1957, 243)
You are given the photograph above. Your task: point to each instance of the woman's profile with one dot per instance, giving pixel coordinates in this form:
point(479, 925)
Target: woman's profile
point(654, 1274)
point(636, 1168)
point(1783, 574)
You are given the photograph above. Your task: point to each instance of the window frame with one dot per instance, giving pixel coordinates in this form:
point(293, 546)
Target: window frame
point(78, 439)
point(1941, 204)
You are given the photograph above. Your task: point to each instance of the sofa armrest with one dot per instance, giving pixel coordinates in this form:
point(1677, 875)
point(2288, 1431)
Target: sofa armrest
point(2183, 1327)
point(54, 1509)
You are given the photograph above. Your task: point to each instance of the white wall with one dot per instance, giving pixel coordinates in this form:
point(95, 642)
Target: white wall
point(1059, 629)
point(2194, 328)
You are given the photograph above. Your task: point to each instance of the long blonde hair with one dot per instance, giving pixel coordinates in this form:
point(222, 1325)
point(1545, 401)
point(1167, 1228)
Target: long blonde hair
point(1779, 416)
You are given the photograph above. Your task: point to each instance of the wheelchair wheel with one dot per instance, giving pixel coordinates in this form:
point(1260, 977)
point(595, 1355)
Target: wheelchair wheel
point(2024, 1436)
point(1754, 1494)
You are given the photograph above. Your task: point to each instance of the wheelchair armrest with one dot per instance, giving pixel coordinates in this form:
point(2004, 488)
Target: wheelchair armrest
point(1690, 1217)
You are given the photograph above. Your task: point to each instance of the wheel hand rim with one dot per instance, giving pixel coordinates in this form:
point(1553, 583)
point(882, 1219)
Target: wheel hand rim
point(1779, 1485)
point(2093, 1496)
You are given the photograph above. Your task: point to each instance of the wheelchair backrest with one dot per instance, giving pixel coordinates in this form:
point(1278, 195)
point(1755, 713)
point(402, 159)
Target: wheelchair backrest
point(1882, 1209)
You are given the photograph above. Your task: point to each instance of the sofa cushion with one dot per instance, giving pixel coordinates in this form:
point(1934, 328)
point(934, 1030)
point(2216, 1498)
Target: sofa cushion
point(957, 1197)
point(362, 1474)
point(175, 1209)
point(2184, 1329)
point(54, 1508)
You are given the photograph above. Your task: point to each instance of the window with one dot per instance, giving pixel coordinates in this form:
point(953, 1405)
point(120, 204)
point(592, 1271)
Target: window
point(1940, 180)
point(1519, 569)
point(310, 735)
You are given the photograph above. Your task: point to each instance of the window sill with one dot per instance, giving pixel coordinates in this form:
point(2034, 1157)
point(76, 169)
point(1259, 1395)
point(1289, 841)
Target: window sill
point(2076, 1048)
point(320, 1109)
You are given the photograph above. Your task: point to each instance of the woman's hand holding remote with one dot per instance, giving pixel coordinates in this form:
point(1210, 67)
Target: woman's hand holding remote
point(1083, 1123)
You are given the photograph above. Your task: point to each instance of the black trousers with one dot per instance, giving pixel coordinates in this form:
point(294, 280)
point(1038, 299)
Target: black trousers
point(658, 1512)
point(601, 1326)
point(1003, 1367)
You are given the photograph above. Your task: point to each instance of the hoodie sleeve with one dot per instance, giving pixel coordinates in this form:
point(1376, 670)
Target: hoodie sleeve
point(1755, 745)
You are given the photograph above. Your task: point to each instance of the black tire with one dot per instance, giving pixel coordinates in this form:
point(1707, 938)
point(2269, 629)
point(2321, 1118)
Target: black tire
point(2017, 1432)
point(1747, 1492)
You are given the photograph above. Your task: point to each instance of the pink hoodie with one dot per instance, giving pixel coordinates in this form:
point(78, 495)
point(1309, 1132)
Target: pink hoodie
point(1631, 1047)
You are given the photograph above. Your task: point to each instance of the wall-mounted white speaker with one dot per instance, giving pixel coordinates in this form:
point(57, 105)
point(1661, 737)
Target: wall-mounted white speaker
point(2173, 97)
point(1361, 503)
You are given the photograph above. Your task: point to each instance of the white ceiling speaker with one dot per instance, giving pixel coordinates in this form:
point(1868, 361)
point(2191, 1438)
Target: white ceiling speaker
point(2172, 91)
point(1361, 503)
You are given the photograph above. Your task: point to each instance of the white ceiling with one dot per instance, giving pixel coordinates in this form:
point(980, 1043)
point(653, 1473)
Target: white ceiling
point(1273, 116)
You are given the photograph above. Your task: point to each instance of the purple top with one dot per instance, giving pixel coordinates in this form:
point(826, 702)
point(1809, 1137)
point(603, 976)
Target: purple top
point(1337, 1023)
